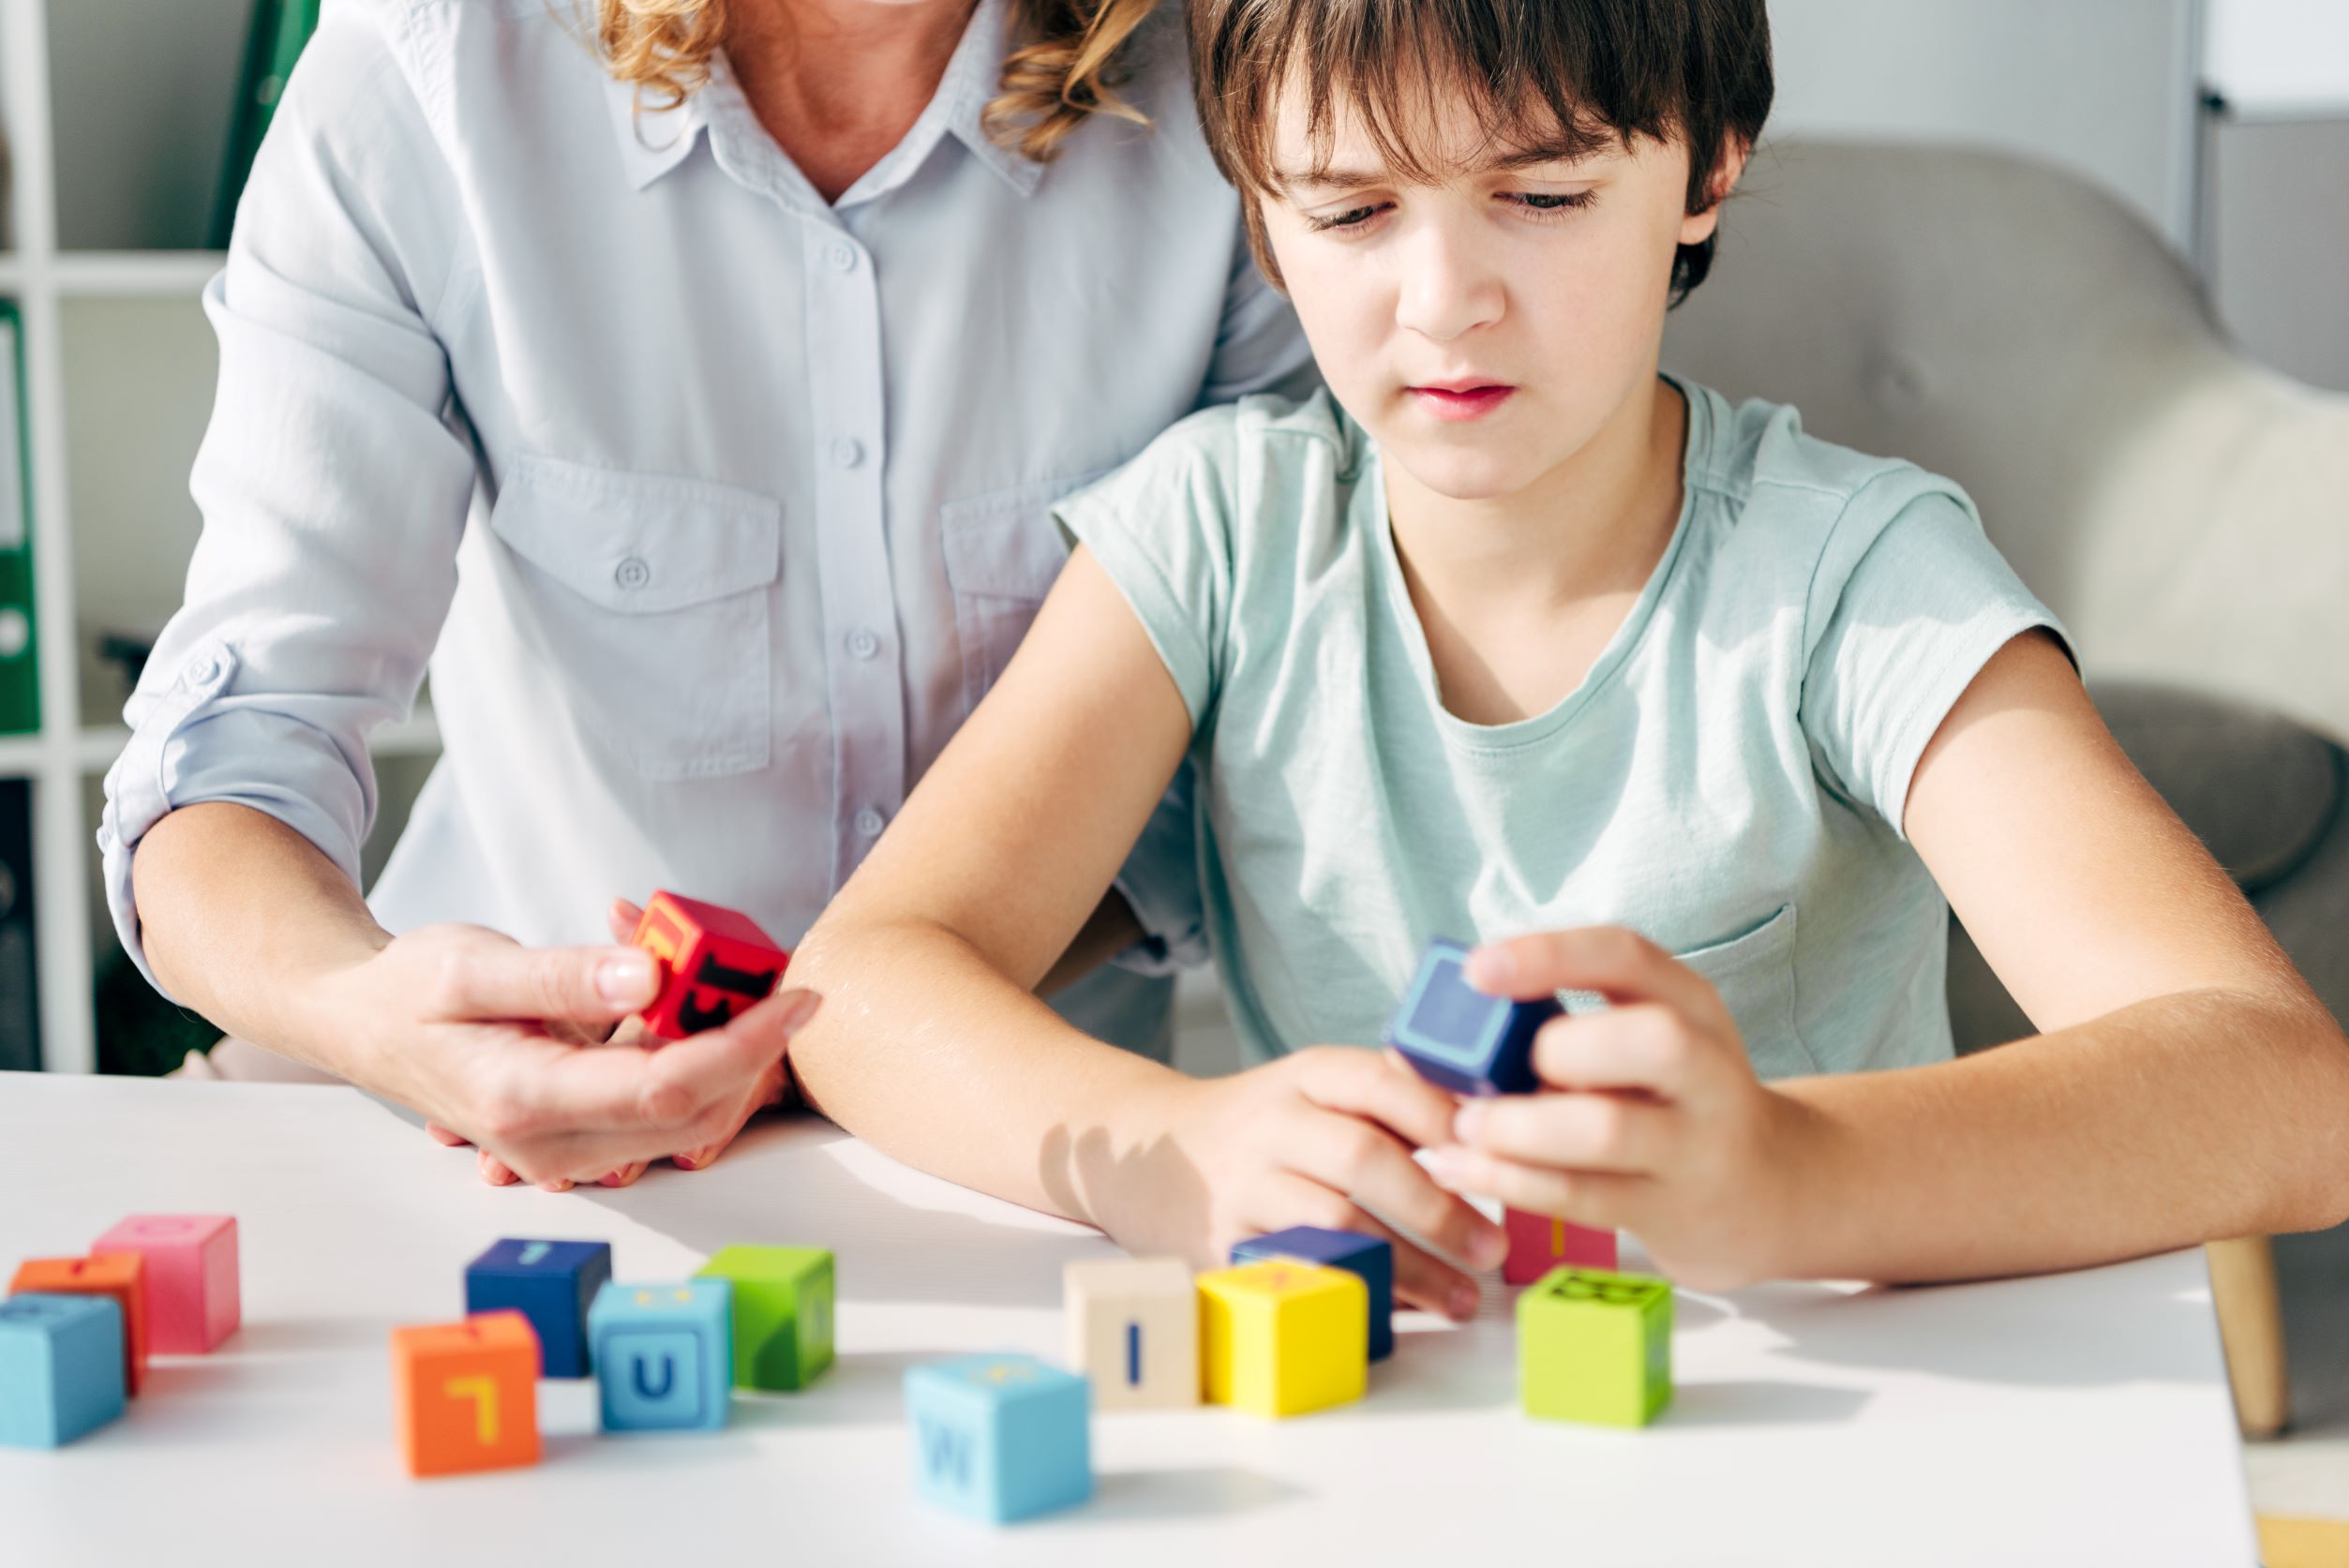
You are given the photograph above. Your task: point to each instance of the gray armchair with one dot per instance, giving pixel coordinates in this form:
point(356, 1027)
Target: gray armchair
point(2185, 511)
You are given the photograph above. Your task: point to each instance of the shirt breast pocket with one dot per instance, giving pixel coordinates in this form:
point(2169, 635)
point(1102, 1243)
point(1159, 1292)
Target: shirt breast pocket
point(1754, 972)
point(1003, 553)
point(648, 597)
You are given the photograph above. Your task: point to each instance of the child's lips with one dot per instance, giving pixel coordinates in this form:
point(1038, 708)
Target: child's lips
point(1455, 404)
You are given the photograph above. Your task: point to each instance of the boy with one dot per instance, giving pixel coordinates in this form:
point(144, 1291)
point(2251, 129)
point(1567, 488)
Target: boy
point(1508, 634)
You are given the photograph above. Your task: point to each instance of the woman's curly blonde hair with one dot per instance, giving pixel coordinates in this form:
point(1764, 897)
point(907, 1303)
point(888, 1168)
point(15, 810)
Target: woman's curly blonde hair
point(1070, 69)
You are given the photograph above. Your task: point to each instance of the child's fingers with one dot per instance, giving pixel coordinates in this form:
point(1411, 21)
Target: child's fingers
point(1422, 1279)
point(1370, 1085)
point(1577, 1131)
point(1618, 962)
point(1603, 1199)
point(1646, 1045)
point(1360, 1161)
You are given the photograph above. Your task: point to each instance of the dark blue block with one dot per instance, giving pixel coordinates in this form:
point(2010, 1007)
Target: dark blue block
point(1369, 1255)
point(552, 1283)
point(1461, 1040)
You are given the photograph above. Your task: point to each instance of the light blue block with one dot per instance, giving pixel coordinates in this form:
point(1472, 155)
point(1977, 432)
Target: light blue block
point(552, 1283)
point(664, 1355)
point(1000, 1437)
point(61, 1368)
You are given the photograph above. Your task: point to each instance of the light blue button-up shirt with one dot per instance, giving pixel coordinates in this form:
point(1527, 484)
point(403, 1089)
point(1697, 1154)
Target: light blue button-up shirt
point(713, 508)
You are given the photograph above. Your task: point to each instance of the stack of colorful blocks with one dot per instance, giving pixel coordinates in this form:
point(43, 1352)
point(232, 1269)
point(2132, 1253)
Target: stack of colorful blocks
point(75, 1333)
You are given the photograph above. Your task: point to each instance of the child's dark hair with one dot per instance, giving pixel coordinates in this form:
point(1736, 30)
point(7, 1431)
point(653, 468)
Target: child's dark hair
point(1572, 75)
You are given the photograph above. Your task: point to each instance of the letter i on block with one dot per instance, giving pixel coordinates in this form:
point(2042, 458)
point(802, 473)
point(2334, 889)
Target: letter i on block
point(549, 1282)
point(714, 962)
point(999, 1437)
point(1541, 1242)
point(121, 1277)
point(1282, 1338)
point(61, 1368)
point(1596, 1347)
point(1134, 1331)
point(1459, 1038)
point(465, 1396)
point(783, 1313)
point(191, 1277)
point(664, 1355)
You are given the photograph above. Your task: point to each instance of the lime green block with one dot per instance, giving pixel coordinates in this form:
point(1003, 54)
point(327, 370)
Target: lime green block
point(782, 1312)
point(1595, 1347)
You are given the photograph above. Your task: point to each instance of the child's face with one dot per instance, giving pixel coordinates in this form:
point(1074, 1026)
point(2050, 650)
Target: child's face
point(1484, 328)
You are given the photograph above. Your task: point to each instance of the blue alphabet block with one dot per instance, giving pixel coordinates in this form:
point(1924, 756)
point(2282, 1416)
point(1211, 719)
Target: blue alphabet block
point(1461, 1040)
point(552, 1283)
point(664, 1355)
point(999, 1437)
point(61, 1368)
point(1369, 1255)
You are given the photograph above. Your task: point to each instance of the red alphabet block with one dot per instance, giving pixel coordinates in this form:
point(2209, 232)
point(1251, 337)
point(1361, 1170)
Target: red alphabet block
point(191, 1277)
point(121, 1275)
point(1540, 1242)
point(714, 962)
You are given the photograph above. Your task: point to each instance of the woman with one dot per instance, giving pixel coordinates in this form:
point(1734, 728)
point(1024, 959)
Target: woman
point(691, 395)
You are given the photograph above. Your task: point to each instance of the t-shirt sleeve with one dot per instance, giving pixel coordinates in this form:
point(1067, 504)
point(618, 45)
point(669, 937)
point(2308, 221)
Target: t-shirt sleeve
point(1908, 603)
point(1160, 527)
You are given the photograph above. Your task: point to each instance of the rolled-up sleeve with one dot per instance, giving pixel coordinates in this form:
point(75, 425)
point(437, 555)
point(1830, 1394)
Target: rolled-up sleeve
point(332, 481)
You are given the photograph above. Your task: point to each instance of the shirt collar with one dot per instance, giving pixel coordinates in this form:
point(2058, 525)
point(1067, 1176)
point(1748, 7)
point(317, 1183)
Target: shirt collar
point(654, 141)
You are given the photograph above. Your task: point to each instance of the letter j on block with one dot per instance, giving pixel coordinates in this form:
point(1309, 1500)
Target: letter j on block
point(465, 1396)
point(1133, 1330)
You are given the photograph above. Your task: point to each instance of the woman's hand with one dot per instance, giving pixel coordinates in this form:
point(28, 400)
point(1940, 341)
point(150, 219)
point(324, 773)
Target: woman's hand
point(772, 1087)
point(493, 1041)
point(1318, 1138)
point(1651, 1119)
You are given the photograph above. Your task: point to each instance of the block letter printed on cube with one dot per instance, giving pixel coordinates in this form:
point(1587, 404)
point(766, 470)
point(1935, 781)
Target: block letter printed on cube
point(999, 1437)
point(783, 1313)
point(465, 1396)
point(61, 1368)
point(121, 1277)
point(714, 962)
point(1134, 1331)
point(191, 1277)
point(1461, 1040)
point(1369, 1255)
point(1595, 1346)
point(552, 1283)
point(664, 1355)
point(1540, 1242)
point(1283, 1337)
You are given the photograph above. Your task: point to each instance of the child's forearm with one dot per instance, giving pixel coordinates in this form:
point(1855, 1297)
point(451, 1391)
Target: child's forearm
point(925, 1050)
point(2183, 1118)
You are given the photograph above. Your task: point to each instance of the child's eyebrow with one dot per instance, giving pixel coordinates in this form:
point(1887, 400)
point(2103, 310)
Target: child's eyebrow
point(1508, 161)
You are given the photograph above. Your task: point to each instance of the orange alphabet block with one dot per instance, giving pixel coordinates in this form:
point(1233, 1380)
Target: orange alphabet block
point(714, 962)
point(465, 1396)
point(120, 1274)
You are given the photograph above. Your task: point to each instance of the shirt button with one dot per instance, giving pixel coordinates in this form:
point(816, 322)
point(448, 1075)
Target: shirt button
point(843, 258)
point(632, 572)
point(203, 669)
point(848, 451)
point(869, 823)
point(864, 644)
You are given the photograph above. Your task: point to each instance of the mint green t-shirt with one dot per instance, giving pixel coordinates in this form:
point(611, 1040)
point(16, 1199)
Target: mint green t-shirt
point(1728, 779)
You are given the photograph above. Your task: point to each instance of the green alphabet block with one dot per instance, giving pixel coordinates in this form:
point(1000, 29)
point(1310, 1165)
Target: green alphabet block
point(782, 1312)
point(1594, 1346)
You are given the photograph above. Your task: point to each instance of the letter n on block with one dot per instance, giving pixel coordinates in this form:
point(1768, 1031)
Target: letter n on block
point(999, 1437)
point(465, 1396)
point(1133, 1330)
point(664, 1355)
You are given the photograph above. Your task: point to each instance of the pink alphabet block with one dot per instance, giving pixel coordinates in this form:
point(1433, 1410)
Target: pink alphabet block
point(1540, 1242)
point(191, 1277)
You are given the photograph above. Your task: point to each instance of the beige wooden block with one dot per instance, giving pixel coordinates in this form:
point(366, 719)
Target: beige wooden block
point(1134, 1329)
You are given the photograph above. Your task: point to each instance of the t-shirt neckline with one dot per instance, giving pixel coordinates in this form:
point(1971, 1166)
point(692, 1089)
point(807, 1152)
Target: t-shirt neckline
point(1535, 728)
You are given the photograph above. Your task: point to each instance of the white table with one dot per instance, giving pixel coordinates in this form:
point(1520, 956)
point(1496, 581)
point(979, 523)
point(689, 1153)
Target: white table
point(2080, 1419)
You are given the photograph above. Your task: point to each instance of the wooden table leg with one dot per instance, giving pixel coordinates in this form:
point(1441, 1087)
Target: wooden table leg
point(2250, 1322)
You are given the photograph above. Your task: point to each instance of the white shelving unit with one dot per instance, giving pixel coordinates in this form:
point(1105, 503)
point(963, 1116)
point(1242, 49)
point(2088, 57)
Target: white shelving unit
point(117, 105)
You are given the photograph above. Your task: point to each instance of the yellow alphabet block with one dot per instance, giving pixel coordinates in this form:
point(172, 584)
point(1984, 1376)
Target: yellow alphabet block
point(1283, 1337)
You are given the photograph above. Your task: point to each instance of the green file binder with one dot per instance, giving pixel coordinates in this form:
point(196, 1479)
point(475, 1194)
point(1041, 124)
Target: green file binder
point(281, 28)
point(20, 667)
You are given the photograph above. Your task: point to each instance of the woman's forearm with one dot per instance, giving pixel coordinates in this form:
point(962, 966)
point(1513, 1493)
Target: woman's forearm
point(233, 906)
point(2068, 1149)
point(932, 1054)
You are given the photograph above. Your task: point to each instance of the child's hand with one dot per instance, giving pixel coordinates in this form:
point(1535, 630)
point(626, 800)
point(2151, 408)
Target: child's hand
point(1297, 1143)
point(1652, 1120)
